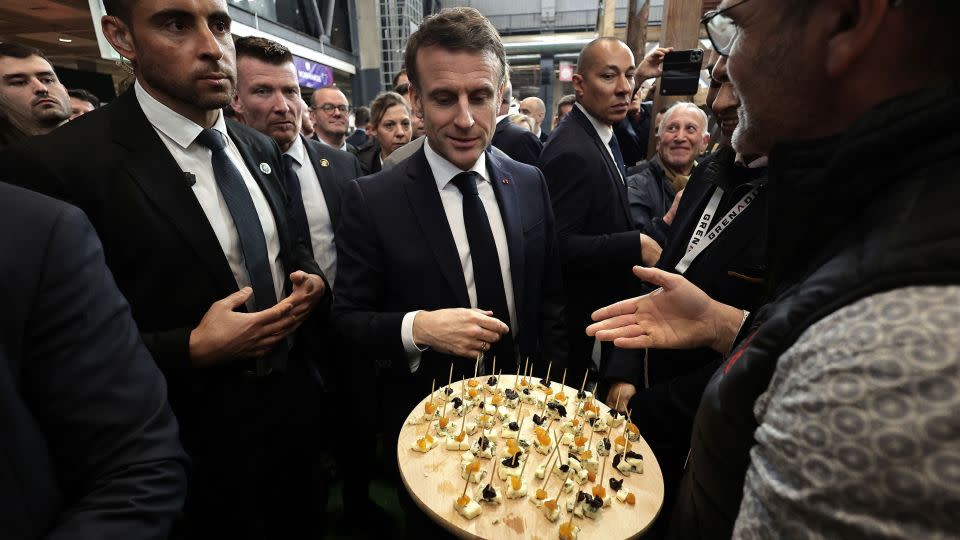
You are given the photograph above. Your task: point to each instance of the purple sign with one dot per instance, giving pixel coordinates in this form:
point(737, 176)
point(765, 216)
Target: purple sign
point(311, 74)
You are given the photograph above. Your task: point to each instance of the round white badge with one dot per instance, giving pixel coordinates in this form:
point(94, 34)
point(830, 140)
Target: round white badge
point(264, 168)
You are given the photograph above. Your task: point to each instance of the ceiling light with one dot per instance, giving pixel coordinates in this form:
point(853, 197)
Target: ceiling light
point(65, 40)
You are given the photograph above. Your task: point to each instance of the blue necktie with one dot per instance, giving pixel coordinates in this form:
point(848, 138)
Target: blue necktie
point(487, 277)
point(618, 156)
point(253, 243)
point(298, 217)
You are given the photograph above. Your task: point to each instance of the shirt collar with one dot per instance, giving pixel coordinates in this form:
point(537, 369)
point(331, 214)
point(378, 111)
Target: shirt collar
point(603, 130)
point(444, 171)
point(174, 125)
point(499, 118)
point(297, 151)
point(342, 147)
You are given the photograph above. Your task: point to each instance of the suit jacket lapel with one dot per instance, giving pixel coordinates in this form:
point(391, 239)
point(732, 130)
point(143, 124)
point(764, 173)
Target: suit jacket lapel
point(507, 198)
point(330, 192)
point(152, 167)
point(426, 205)
point(612, 169)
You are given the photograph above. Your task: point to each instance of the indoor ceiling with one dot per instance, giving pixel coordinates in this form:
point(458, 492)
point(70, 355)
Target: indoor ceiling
point(63, 29)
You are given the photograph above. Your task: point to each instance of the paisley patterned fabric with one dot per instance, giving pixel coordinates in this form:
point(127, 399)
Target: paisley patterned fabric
point(859, 432)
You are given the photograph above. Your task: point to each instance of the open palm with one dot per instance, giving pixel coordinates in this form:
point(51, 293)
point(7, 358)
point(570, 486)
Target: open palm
point(678, 315)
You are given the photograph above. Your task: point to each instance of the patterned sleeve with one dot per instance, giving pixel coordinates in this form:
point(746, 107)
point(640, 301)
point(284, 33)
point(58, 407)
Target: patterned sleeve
point(859, 430)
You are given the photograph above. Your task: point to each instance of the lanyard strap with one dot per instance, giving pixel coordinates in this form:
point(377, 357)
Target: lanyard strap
point(702, 237)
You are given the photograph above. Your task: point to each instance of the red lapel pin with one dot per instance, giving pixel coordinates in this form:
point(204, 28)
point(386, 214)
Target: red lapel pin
point(506, 180)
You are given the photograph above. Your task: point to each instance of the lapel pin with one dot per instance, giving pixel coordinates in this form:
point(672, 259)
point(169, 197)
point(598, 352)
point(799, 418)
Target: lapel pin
point(264, 168)
point(506, 180)
point(324, 163)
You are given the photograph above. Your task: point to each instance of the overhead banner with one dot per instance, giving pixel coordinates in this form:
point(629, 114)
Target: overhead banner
point(312, 74)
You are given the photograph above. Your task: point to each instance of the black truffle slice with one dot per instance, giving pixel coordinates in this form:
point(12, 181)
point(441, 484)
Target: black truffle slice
point(582, 394)
point(483, 442)
point(489, 493)
point(492, 381)
point(447, 390)
point(511, 394)
point(615, 484)
point(512, 462)
point(457, 403)
point(513, 426)
point(539, 420)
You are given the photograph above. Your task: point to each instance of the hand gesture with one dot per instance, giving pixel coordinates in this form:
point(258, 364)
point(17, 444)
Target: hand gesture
point(672, 212)
point(225, 333)
point(652, 65)
point(678, 315)
point(308, 289)
point(458, 331)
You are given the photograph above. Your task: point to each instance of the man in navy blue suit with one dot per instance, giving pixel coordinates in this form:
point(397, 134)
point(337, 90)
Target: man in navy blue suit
point(584, 167)
point(90, 445)
point(451, 253)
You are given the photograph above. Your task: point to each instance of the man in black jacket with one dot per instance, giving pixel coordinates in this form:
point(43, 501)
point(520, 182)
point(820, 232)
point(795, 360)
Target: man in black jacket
point(516, 142)
point(830, 416)
point(598, 241)
point(193, 217)
point(82, 459)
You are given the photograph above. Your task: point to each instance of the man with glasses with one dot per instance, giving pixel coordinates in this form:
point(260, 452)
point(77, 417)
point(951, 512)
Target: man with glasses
point(330, 111)
point(834, 414)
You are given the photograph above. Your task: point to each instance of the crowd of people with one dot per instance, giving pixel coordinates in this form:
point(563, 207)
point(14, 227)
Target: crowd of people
point(211, 279)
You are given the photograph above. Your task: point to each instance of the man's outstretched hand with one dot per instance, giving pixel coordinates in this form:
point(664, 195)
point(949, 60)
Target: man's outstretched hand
point(678, 315)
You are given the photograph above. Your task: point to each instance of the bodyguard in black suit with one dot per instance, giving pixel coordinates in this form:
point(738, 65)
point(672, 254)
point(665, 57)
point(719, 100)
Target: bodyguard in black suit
point(189, 208)
point(451, 253)
point(90, 445)
point(584, 170)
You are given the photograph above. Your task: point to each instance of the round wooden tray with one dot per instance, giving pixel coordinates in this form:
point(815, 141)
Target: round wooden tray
point(434, 482)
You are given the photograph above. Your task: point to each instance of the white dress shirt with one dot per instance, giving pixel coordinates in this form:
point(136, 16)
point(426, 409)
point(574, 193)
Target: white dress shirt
point(315, 206)
point(342, 146)
point(178, 134)
point(452, 199)
point(604, 131)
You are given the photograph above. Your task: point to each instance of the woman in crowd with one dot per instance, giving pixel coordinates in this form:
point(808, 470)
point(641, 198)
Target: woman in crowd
point(389, 129)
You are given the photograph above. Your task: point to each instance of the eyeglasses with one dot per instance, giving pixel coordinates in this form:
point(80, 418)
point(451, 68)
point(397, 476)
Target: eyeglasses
point(329, 107)
point(721, 29)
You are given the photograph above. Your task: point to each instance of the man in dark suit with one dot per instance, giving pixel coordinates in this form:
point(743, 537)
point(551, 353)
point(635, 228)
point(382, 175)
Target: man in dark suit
point(82, 459)
point(268, 100)
point(534, 108)
point(451, 253)
point(518, 143)
point(584, 169)
point(190, 209)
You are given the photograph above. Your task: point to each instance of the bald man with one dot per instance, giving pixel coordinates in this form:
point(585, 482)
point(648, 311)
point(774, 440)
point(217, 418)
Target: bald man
point(584, 169)
point(534, 108)
point(518, 143)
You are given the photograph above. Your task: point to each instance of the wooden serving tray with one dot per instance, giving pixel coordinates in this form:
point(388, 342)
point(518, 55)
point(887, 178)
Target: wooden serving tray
point(434, 482)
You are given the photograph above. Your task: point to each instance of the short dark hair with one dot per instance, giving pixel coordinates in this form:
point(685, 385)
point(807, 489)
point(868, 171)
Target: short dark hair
point(456, 29)
point(119, 8)
point(402, 89)
point(263, 49)
point(361, 116)
point(396, 78)
point(85, 95)
point(15, 50)
point(382, 102)
point(568, 99)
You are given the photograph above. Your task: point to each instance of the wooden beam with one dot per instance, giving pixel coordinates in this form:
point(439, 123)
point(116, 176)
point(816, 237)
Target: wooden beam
point(608, 18)
point(637, 18)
